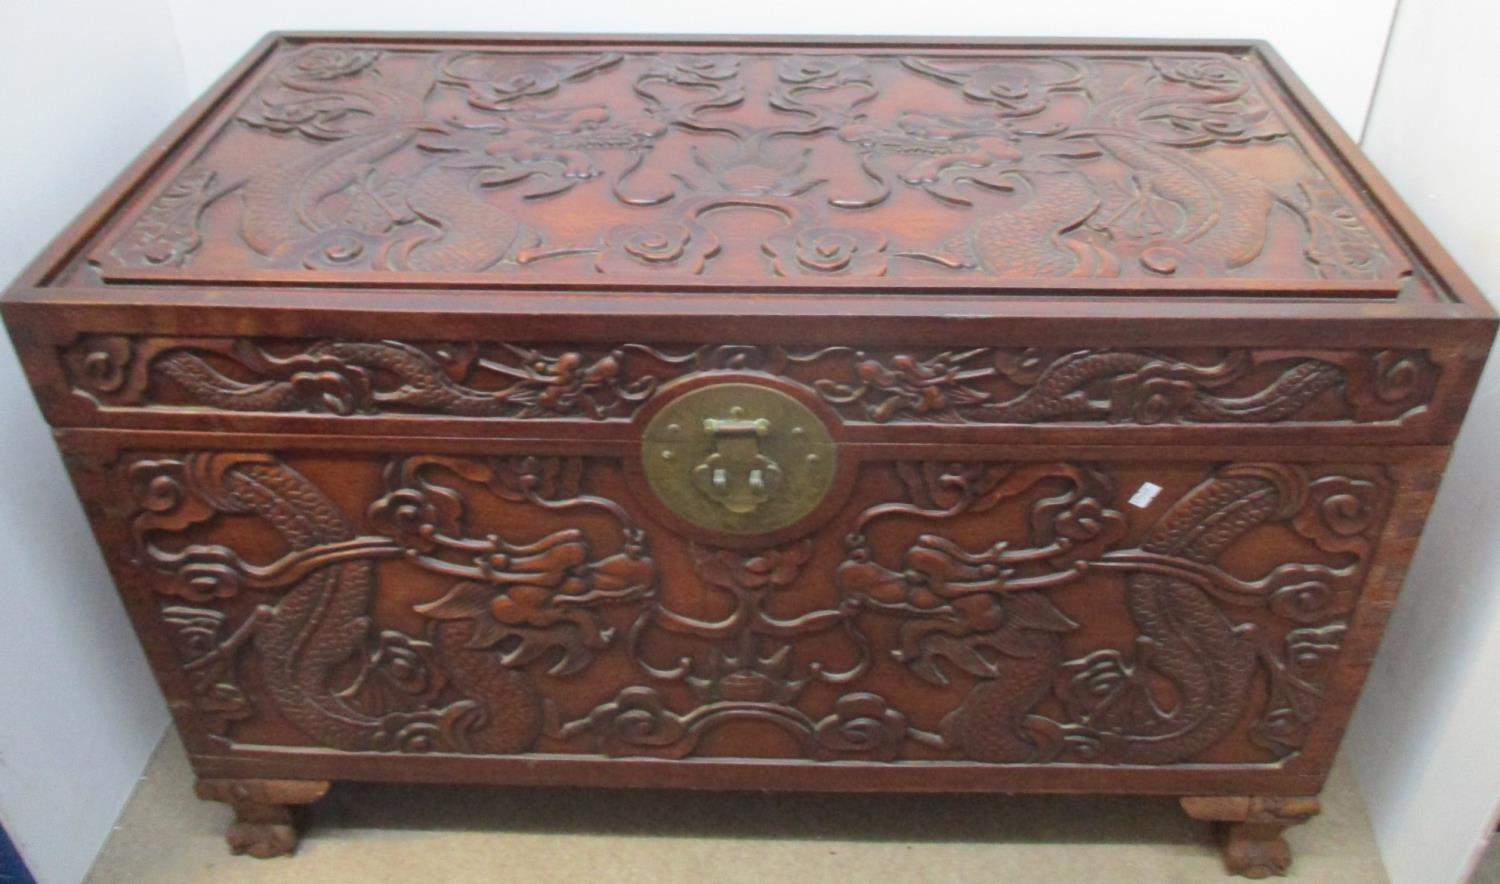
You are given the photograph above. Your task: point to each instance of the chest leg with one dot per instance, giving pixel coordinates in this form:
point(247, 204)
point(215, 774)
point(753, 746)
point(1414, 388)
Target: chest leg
point(1249, 829)
point(265, 811)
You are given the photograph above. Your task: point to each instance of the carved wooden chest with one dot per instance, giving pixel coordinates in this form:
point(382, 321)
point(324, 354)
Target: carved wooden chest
point(756, 414)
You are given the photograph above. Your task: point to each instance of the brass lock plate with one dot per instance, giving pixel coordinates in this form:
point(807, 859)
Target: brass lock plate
point(739, 458)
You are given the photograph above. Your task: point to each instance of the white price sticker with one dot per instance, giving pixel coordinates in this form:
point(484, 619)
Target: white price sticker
point(1144, 495)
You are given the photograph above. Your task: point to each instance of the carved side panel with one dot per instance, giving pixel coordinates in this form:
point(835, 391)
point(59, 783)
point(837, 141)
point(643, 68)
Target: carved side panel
point(979, 385)
point(1016, 612)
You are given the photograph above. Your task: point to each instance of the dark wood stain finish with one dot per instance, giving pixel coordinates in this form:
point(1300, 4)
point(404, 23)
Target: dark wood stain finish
point(1140, 379)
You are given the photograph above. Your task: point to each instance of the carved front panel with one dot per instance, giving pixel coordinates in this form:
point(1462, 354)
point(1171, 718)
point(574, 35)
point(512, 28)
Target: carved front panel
point(577, 166)
point(1106, 613)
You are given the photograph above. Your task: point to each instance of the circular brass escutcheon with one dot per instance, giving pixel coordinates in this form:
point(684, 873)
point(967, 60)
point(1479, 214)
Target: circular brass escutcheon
point(739, 458)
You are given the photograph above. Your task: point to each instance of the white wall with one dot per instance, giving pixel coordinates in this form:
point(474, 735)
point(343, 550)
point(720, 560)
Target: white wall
point(87, 85)
point(1424, 737)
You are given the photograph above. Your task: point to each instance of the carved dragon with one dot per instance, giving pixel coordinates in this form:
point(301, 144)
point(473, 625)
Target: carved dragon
point(514, 603)
point(468, 684)
point(1065, 169)
point(985, 612)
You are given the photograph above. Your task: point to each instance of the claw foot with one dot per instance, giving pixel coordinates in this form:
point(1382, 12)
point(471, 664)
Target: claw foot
point(1249, 830)
point(265, 822)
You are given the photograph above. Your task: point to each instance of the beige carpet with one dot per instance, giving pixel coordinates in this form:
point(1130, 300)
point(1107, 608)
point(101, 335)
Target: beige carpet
point(377, 833)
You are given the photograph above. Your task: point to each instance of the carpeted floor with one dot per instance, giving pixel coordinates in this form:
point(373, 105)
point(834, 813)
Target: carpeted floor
point(377, 833)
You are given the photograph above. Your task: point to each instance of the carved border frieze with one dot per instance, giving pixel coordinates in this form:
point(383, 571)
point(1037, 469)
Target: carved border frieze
point(978, 386)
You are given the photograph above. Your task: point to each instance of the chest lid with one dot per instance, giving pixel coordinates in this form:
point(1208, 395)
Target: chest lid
point(942, 203)
point(747, 166)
